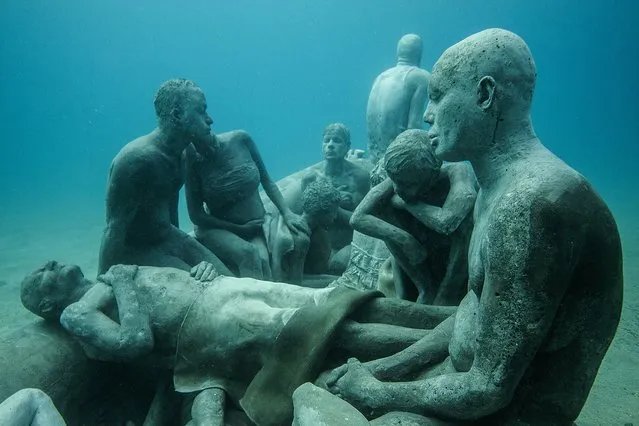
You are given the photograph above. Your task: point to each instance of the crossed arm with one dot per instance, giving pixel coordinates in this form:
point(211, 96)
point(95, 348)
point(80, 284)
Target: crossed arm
point(364, 221)
point(458, 205)
point(102, 337)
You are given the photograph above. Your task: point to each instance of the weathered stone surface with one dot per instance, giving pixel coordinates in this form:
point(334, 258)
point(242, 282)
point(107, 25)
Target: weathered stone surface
point(317, 407)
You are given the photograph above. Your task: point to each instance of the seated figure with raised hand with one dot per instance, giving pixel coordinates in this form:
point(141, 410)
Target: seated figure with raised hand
point(143, 187)
point(225, 206)
point(295, 255)
point(217, 332)
point(350, 179)
point(545, 264)
point(423, 211)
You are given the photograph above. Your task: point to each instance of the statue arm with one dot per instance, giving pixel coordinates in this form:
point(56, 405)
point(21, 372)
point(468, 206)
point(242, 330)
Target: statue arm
point(458, 205)
point(365, 222)
point(516, 311)
point(126, 181)
point(292, 220)
point(132, 337)
point(195, 199)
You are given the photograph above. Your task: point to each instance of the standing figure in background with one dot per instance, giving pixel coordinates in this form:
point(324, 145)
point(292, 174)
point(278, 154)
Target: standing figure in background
point(350, 179)
point(225, 206)
point(144, 184)
point(398, 98)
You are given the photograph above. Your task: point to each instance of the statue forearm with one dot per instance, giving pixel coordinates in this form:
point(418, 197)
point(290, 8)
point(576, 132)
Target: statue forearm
point(431, 349)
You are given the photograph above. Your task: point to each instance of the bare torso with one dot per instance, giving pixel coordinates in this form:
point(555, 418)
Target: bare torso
point(389, 105)
point(230, 181)
point(143, 171)
point(588, 312)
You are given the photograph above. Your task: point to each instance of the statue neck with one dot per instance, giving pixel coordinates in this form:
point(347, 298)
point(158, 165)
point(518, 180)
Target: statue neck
point(334, 167)
point(509, 145)
point(170, 141)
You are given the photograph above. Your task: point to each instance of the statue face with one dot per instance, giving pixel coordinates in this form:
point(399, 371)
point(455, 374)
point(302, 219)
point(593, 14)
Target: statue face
point(453, 115)
point(195, 121)
point(412, 186)
point(334, 146)
point(327, 217)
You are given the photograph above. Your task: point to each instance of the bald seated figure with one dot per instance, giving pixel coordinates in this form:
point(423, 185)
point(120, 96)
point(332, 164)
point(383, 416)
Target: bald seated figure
point(170, 318)
point(144, 182)
point(545, 264)
point(397, 98)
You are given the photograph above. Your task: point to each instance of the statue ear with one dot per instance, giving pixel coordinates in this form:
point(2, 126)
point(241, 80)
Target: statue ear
point(486, 92)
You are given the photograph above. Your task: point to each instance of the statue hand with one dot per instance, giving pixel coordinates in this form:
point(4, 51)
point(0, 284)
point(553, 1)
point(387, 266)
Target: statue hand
point(357, 385)
point(204, 271)
point(296, 224)
point(119, 275)
point(398, 202)
point(355, 154)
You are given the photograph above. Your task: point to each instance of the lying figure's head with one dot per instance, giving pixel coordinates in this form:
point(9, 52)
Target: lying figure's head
point(411, 164)
point(48, 290)
point(320, 202)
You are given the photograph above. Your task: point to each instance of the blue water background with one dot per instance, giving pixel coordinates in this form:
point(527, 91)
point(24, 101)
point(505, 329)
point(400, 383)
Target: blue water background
point(77, 80)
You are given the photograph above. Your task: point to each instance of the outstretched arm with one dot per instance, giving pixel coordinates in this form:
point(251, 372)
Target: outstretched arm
point(131, 338)
point(293, 221)
point(458, 205)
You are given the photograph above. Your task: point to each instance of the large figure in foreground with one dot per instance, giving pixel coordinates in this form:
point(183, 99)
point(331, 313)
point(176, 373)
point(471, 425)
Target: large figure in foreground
point(545, 261)
point(398, 97)
point(144, 183)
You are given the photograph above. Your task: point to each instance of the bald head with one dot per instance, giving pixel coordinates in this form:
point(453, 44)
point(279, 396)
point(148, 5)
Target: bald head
point(409, 49)
point(497, 53)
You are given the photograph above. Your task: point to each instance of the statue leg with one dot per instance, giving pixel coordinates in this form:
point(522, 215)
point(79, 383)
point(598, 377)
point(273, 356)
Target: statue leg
point(372, 341)
point(386, 310)
point(235, 252)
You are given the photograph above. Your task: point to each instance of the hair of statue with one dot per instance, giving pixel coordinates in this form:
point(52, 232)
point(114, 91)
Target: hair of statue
point(412, 153)
point(340, 130)
point(171, 96)
point(319, 197)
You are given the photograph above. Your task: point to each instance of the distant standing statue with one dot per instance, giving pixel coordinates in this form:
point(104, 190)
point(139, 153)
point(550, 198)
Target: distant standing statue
point(398, 98)
point(545, 265)
point(350, 179)
point(144, 183)
point(222, 182)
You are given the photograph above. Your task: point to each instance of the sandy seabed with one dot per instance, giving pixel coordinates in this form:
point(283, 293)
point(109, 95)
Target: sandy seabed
point(26, 242)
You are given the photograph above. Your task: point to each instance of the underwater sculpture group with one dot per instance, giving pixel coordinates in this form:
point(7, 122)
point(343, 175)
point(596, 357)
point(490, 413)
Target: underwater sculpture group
point(520, 241)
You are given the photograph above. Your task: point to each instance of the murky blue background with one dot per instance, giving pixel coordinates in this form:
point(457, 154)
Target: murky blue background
point(78, 78)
